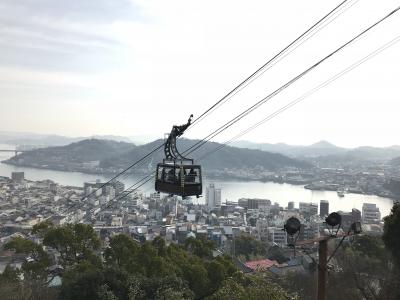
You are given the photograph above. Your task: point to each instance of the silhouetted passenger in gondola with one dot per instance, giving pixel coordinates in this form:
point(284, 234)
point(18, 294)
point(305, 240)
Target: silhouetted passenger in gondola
point(171, 175)
point(191, 177)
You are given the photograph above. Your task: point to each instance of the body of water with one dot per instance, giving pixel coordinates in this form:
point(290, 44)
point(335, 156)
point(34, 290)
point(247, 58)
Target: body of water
point(231, 190)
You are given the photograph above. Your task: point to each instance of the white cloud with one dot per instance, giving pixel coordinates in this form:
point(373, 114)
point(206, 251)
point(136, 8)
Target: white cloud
point(151, 64)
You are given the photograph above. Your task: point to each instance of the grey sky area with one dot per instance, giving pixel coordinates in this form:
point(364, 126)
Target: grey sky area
point(85, 67)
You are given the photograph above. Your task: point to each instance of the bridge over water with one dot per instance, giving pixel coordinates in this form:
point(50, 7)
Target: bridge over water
point(15, 151)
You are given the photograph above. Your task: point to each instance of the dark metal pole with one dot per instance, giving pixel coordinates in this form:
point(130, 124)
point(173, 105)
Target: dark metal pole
point(234, 245)
point(322, 253)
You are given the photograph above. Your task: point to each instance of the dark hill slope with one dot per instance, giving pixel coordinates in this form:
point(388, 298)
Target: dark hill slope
point(114, 156)
point(79, 152)
point(227, 157)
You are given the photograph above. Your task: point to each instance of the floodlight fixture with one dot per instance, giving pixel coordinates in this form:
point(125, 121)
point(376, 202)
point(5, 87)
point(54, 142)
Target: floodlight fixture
point(333, 220)
point(292, 226)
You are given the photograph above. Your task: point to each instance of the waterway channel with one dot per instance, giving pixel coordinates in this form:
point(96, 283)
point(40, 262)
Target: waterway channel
point(231, 190)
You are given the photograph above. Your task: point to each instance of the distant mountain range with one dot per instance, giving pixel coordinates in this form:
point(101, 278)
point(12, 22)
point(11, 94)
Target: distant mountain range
point(322, 153)
point(318, 149)
point(326, 151)
point(46, 140)
point(112, 155)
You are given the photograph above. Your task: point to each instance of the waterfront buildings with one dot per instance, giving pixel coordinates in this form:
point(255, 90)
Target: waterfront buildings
point(17, 176)
point(313, 209)
point(255, 203)
point(349, 218)
point(213, 197)
point(291, 205)
point(370, 214)
point(308, 208)
point(145, 217)
point(323, 208)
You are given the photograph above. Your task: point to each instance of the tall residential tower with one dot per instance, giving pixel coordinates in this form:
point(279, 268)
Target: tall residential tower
point(213, 197)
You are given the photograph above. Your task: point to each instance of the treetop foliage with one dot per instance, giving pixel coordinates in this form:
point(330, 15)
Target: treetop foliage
point(391, 233)
point(127, 269)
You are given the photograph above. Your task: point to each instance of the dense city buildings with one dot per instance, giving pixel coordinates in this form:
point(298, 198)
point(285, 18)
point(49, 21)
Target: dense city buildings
point(372, 177)
point(25, 203)
point(254, 203)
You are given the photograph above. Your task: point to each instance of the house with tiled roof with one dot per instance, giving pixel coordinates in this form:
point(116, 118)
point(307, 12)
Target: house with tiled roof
point(261, 265)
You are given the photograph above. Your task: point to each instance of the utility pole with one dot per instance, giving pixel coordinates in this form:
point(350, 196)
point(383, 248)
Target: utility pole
point(234, 245)
point(322, 261)
point(322, 266)
point(334, 220)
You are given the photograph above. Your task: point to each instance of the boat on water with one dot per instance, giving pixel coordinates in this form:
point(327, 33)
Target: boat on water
point(340, 193)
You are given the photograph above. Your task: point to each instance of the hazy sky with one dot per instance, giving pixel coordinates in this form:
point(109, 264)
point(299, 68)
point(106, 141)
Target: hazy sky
point(83, 67)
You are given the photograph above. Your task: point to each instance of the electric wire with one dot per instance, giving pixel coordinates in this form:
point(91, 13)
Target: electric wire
point(337, 247)
point(253, 107)
point(244, 83)
point(237, 118)
point(143, 162)
point(280, 55)
point(129, 190)
point(150, 177)
point(132, 188)
point(123, 171)
point(305, 95)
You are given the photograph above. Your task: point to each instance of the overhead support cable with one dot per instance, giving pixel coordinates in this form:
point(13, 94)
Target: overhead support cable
point(253, 107)
point(280, 55)
point(391, 43)
point(196, 146)
point(312, 30)
point(134, 187)
point(123, 171)
point(305, 95)
point(237, 118)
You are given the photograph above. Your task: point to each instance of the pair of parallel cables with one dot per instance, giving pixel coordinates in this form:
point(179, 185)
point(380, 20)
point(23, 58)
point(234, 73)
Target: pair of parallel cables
point(333, 14)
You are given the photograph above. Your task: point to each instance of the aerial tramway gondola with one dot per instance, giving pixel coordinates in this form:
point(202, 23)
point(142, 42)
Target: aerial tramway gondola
point(178, 175)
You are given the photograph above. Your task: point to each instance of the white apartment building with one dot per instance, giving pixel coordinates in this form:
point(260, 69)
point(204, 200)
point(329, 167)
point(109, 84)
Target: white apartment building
point(370, 214)
point(277, 235)
point(213, 197)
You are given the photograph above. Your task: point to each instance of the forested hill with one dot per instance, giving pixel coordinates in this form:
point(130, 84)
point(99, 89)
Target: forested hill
point(115, 155)
point(226, 157)
point(76, 153)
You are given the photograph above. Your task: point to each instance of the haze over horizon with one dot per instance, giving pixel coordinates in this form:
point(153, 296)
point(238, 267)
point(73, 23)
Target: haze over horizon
point(141, 139)
point(136, 67)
